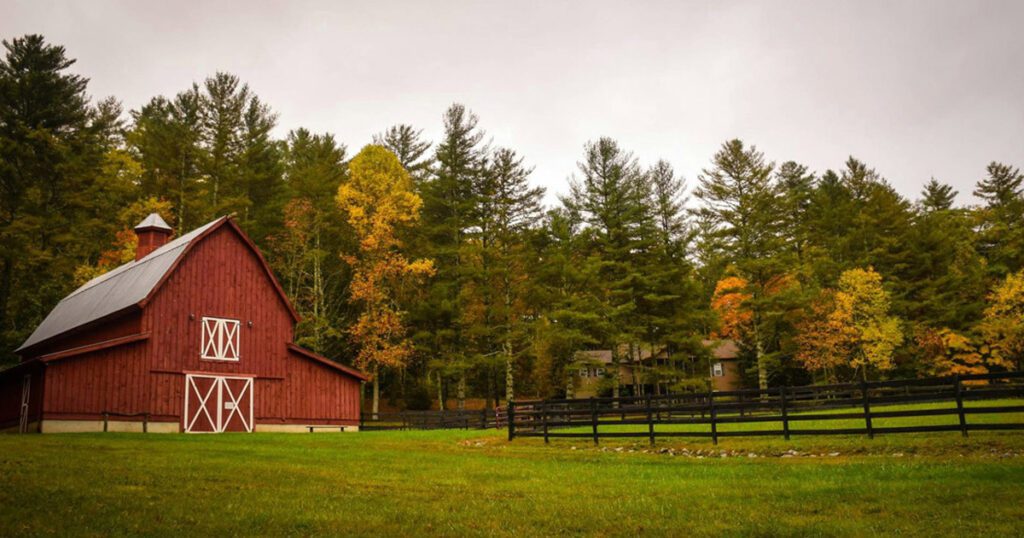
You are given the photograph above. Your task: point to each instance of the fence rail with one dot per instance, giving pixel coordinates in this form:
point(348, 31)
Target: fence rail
point(464, 419)
point(778, 411)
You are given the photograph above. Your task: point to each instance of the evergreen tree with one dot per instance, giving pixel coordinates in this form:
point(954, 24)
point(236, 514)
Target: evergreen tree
point(408, 145)
point(165, 137)
point(450, 212)
point(1001, 219)
point(509, 208)
point(302, 249)
point(53, 148)
point(611, 197)
point(743, 203)
point(937, 196)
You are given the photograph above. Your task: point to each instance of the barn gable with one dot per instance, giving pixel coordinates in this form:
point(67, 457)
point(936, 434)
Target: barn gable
point(131, 286)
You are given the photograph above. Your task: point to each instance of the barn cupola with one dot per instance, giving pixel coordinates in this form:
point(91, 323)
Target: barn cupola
point(152, 233)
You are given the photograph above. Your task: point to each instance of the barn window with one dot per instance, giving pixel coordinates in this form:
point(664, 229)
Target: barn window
point(717, 370)
point(220, 339)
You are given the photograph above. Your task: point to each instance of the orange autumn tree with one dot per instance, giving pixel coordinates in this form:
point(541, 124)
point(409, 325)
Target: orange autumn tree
point(378, 200)
point(729, 302)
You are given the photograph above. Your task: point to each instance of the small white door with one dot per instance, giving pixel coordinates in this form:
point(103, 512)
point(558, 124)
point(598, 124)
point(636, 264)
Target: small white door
point(26, 387)
point(215, 404)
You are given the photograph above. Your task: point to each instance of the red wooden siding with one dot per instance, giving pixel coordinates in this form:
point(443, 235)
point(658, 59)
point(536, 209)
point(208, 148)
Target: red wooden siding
point(316, 393)
point(220, 277)
point(111, 380)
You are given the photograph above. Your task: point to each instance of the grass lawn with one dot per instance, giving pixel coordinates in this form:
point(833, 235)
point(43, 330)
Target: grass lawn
point(458, 483)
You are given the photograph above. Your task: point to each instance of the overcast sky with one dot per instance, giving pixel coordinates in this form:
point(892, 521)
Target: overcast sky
point(915, 89)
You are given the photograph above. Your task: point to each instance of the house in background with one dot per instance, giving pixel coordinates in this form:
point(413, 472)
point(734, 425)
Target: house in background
point(725, 365)
point(593, 369)
point(195, 335)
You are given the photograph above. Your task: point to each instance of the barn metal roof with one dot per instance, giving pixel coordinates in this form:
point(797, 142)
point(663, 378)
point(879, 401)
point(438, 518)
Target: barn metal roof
point(115, 290)
point(154, 220)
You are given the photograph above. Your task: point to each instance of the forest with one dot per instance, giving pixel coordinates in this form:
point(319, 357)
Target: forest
point(437, 267)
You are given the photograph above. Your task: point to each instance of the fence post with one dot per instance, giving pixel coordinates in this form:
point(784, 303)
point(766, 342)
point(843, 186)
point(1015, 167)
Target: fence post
point(711, 411)
point(867, 408)
point(145, 423)
point(960, 406)
point(544, 419)
point(650, 420)
point(785, 413)
point(483, 418)
point(510, 416)
point(106, 417)
point(593, 418)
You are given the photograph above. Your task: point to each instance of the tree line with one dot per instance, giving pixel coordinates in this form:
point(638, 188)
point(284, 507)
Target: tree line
point(436, 266)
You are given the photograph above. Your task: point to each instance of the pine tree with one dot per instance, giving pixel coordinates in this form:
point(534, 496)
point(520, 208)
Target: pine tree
point(509, 209)
point(450, 212)
point(670, 307)
point(302, 251)
point(742, 201)
point(1001, 219)
point(408, 145)
point(937, 196)
point(53, 148)
point(166, 138)
point(611, 197)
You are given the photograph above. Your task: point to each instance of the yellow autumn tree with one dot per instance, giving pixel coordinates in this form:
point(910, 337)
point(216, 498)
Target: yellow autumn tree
point(1002, 328)
point(378, 201)
point(850, 327)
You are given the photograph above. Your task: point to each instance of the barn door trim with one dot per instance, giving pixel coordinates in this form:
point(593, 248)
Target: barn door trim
point(221, 394)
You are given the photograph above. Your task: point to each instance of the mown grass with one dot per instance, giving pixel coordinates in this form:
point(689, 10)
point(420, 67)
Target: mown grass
point(458, 483)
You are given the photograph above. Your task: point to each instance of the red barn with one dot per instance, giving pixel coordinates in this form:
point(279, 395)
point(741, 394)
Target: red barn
point(195, 335)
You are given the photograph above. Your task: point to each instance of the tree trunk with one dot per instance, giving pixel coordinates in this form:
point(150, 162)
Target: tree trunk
point(461, 392)
point(376, 391)
point(762, 367)
point(507, 345)
point(440, 393)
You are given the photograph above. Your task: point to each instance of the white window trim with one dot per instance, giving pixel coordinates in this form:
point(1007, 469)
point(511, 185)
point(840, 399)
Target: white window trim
point(220, 337)
point(717, 370)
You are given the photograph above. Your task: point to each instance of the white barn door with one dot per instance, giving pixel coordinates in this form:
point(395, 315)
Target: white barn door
point(215, 404)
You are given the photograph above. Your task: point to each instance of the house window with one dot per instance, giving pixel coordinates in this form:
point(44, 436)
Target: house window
point(584, 372)
point(220, 339)
point(600, 372)
point(717, 370)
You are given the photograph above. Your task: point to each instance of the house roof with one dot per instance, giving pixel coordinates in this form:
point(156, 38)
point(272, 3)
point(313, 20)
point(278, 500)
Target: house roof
point(723, 349)
point(720, 349)
point(130, 285)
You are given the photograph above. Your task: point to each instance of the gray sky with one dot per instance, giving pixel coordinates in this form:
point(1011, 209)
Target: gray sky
point(915, 89)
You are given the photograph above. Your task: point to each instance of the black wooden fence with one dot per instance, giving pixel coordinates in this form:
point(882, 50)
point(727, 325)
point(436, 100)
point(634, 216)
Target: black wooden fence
point(465, 419)
point(784, 407)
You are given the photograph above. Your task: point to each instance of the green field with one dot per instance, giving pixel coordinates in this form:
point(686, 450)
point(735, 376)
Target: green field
point(457, 483)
